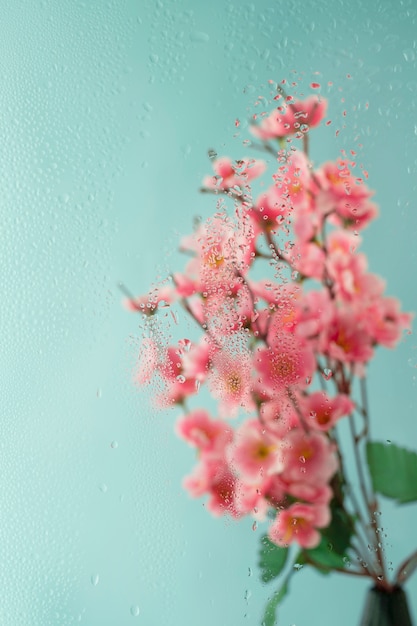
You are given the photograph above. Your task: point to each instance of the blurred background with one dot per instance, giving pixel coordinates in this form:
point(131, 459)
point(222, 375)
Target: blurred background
point(107, 110)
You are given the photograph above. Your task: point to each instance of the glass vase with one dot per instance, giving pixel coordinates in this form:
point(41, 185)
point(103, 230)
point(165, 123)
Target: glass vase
point(386, 608)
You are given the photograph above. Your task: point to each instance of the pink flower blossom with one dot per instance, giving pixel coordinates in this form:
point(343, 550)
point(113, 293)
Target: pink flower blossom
point(344, 195)
point(230, 380)
point(160, 296)
point(323, 412)
point(207, 434)
point(298, 524)
point(308, 458)
point(223, 249)
point(291, 117)
point(385, 322)
point(285, 364)
point(229, 174)
point(255, 454)
point(346, 339)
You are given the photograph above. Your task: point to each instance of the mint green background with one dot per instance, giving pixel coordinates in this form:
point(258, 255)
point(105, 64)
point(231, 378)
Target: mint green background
point(107, 110)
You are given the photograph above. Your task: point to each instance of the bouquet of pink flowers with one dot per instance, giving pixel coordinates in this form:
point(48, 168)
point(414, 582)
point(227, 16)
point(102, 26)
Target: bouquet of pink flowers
point(289, 317)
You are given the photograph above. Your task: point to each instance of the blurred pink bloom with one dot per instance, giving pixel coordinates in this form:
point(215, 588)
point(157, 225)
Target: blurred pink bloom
point(222, 248)
point(148, 303)
point(313, 494)
point(323, 412)
point(308, 458)
point(291, 117)
point(207, 434)
point(229, 174)
point(344, 195)
point(284, 364)
point(385, 322)
point(298, 524)
point(255, 454)
point(346, 339)
point(230, 381)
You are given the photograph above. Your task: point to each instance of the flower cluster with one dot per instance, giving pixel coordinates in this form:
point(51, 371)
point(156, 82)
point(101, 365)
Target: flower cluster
point(280, 354)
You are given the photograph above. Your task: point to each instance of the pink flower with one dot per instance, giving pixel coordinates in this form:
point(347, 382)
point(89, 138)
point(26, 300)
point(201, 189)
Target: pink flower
point(291, 117)
point(385, 322)
point(255, 454)
point(230, 380)
point(159, 297)
point(213, 476)
point(229, 174)
point(323, 412)
point(344, 195)
point(346, 339)
point(278, 416)
point(207, 434)
point(313, 494)
point(308, 458)
point(298, 524)
point(196, 360)
point(285, 364)
point(251, 498)
point(271, 210)
point(223, 248)
point(293, 179)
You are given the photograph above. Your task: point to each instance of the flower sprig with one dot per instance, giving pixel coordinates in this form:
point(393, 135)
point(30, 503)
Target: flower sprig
point(285, 356)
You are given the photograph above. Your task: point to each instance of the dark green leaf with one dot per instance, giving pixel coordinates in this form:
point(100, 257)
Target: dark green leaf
point(272, 559)
point(270, 615)
point(325, 557)
point(393, 471)
point(340, 530)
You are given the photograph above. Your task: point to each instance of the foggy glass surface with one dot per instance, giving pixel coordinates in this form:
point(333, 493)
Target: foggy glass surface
point(107, 110)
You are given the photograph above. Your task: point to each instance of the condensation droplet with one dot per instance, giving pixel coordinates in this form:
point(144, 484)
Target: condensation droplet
point(327, 373)
point(114, 445)
point(199, 37)
point(95, 579)
point(134, 610)
point(103, 487)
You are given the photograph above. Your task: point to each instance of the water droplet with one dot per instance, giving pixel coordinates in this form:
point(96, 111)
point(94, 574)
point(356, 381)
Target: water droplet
point(327, 373)
point(409, 54)
point(298, 566)
point(95, 579)
point(199, 37)
point(114, 445)
point(302, 459)
point(254, 525)
point(134, 610)
point(99, 393)
point(103, 487)
point(181, 378)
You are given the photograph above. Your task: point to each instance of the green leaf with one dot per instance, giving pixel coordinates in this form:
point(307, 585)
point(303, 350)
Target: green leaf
point(393, 471)
point(324, 557)
point(270, 615)
point(272, 559)
point(339, 532)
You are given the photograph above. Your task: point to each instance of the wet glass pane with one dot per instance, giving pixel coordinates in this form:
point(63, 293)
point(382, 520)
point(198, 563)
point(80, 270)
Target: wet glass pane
point(107, 113)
